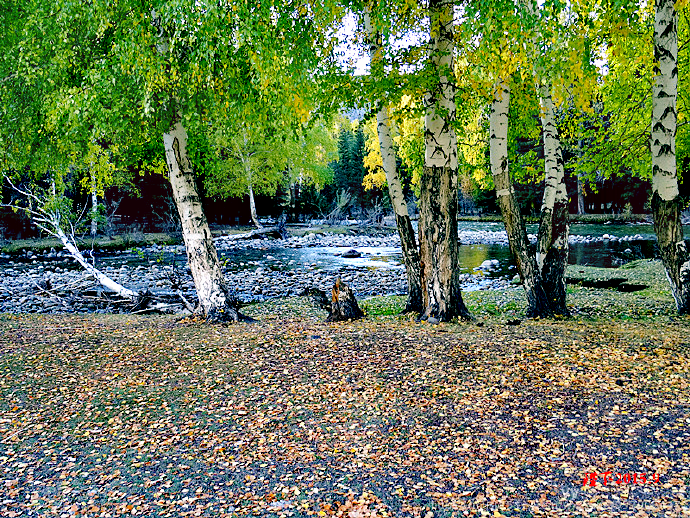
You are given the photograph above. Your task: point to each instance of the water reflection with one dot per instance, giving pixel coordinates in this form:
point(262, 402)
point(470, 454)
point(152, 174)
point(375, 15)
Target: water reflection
point(605, 253)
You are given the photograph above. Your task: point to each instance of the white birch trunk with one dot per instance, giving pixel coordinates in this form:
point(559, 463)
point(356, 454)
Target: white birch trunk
point(664, 95)
point(554, 173)
point(438, 200)
point(537, 302)
point(49, 222)
point(102, 278)
point(214, 295)
point(252, 208)
point(94, 205)
point(395, 190)
point(666, 202)
point(441, 149)
point(498, 140)
point(388, 158)
point(581, 209)
point(552, 241)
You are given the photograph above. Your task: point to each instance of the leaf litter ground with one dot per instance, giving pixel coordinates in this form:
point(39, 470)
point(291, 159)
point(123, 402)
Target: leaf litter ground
point(145, 416)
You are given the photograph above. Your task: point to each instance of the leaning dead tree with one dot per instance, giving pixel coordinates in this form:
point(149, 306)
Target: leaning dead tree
point(47, 215)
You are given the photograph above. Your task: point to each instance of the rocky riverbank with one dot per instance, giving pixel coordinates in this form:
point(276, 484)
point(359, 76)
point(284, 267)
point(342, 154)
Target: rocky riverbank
point(50, 282)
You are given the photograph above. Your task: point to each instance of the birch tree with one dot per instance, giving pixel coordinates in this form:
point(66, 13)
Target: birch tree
point(503, 56)
point(508, 60)
point(212, 54)
point(248, 161)
point(48, 211)
point(538, 304)
point(666, 201)
point(216, 299)
point(146, 69)
point(438, 226)
point(408, 241)
point(552, 240)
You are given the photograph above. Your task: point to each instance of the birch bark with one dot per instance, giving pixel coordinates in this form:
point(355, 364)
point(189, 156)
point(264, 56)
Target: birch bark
point(408, 240)
point(666, 202)
point(438, 226)
point(245, 158)
point(216, 300)
point(252, 208)
point(94, 205)
point(552, 241)
point(102, 278)
point(581, 209)
point(215, 297)
point(537, 302)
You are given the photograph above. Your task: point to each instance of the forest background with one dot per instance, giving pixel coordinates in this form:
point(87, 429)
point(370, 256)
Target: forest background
point(603, 114)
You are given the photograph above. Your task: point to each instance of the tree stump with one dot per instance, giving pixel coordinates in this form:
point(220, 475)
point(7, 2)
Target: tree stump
point(343, 304)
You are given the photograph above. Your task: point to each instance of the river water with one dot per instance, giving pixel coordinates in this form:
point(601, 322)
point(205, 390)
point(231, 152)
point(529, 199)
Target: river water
point(479, 242)
point(592, 251)
point(266, 268)
point(586, 248)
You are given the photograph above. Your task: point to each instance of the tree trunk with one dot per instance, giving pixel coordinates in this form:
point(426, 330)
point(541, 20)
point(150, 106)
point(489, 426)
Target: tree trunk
point(666, 202)
point(252, 208)
point(438, 201)
point(102, 278)
point(581, 209)
point(552, 241)
point(94, 205)
point(537, 302)
point(408, 241)
point(215, 297)
point(293, 201)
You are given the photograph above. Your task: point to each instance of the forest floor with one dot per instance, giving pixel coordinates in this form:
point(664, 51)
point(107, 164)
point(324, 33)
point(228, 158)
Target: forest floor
point(109, 415)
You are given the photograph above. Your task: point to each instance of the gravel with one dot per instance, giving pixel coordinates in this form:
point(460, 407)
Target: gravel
point(49, 283)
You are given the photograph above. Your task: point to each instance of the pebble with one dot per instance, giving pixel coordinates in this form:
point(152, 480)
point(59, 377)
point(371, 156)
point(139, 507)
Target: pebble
point(256, 281)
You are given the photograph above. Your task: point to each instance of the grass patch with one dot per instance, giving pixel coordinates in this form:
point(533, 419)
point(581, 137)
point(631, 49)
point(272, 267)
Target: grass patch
point(383, 306)
point(121, 242)
point(574, 218)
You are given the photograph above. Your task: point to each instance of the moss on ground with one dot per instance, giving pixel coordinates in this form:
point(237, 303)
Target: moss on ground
point(496, 306)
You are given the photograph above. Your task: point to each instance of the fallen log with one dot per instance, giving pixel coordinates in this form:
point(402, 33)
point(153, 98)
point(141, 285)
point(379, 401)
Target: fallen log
point(318, 297)
point(277, 232)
